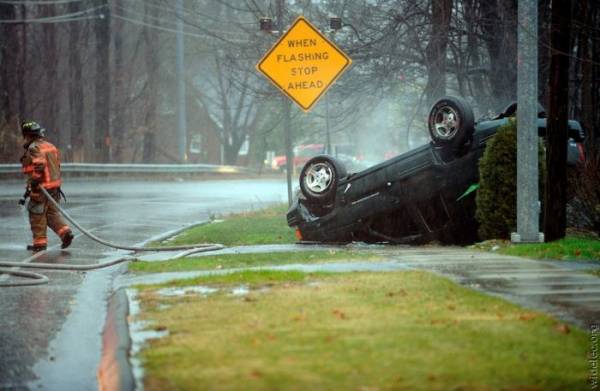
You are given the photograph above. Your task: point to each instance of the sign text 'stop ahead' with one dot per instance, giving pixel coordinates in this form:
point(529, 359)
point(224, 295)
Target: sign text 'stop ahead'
point(303, 63)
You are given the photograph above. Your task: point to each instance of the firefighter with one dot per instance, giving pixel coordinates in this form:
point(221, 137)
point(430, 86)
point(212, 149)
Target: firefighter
point(41, 165)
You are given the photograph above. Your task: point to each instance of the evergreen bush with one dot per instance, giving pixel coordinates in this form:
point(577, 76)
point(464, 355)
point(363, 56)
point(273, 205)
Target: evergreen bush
point(496, 198)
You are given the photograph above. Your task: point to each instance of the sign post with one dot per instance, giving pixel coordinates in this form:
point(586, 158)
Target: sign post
point(303, 64)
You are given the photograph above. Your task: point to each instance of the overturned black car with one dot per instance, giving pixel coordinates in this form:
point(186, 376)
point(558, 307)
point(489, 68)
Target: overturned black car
point(416, 197)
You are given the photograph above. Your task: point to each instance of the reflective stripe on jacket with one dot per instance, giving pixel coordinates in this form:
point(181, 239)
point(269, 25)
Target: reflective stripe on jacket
point(41, 162)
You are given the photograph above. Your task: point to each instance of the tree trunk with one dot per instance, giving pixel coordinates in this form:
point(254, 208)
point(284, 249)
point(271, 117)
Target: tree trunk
point(75, 90)
point(102, 113)
point(151, 57)
point(557, 126)
point(441, 11)
point(499, 27)
point(21, 71)
point(50, 59)
point(9, 67)
point(232, 149)
point(587, 105)
point(590, 71)
point(477, 85)
point(119, 91)
point(8, 63)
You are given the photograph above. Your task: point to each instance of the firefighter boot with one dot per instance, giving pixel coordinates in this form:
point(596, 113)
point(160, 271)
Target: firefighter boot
point(36, 248)
point(67, 239)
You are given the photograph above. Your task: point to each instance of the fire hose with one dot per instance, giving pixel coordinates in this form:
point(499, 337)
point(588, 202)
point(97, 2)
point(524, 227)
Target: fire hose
point(38, 279)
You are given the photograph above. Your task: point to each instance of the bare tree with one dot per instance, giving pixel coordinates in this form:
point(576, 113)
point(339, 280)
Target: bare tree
point(499, 32)
point(557, 132)
point(9, 65)
point(119, 91)
point(76, 95)
point(589, 79)
point(405, 54)
point(441, 11)
point(230, 106)
point(151, 98)
point(103, 86)
point(49, 56)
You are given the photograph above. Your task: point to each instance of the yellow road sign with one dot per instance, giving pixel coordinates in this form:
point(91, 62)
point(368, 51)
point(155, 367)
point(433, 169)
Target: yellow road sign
point(303, 63)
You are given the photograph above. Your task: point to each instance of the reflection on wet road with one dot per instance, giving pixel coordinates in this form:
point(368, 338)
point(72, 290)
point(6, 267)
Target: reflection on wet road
point(50, 336)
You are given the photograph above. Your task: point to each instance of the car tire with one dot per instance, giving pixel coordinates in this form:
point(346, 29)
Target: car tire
point(451, 122)
point(319, 178)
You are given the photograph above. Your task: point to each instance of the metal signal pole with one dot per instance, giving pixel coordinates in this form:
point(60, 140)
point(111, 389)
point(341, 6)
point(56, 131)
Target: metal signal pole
point(528, 205)
point(287, 106)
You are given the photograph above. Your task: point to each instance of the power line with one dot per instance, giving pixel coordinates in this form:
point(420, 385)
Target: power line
point(74, 16)
point(34, 2)
point(58, 20)
point(195, 13)
point(156, 19)
point(149, 19)
point(154, 26)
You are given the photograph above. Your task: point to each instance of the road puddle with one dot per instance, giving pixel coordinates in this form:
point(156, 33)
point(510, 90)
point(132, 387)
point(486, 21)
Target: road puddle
point(188, 290)
point(200, 290)
point(141, 332)
point(241, 290)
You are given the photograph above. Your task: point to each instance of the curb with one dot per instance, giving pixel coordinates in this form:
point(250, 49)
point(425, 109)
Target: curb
point(114, 372)
point(166, 235)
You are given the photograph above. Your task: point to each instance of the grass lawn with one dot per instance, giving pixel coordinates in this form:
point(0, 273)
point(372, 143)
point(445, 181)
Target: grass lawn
point(407, 330)
point(574, 247)
point(356, 331)
point(251, 260)
point(266, 226)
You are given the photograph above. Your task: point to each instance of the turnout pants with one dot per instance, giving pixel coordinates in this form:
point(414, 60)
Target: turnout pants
point(43, 214)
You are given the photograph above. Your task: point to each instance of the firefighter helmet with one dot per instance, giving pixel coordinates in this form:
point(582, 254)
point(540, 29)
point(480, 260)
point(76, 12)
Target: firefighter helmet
point(32, 128)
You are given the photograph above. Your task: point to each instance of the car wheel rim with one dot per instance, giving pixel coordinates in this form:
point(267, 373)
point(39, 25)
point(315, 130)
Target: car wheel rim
point(318, 177)
point(446, 121)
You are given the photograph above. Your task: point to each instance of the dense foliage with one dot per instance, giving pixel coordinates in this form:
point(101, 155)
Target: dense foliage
point(497, 196)
point(584, 206)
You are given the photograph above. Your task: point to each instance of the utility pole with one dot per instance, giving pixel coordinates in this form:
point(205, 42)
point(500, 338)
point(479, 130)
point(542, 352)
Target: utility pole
point(287, 121)
point(528, 205)
point(181, 93)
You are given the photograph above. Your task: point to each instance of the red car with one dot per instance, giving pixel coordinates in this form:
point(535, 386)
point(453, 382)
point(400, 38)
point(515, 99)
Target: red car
point(302, 154)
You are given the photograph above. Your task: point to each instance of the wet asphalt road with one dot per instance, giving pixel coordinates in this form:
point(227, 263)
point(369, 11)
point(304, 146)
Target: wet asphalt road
point(50, 336)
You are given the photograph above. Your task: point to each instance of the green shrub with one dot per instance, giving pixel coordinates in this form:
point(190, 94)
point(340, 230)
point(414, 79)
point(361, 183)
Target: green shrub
point(496, 198)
